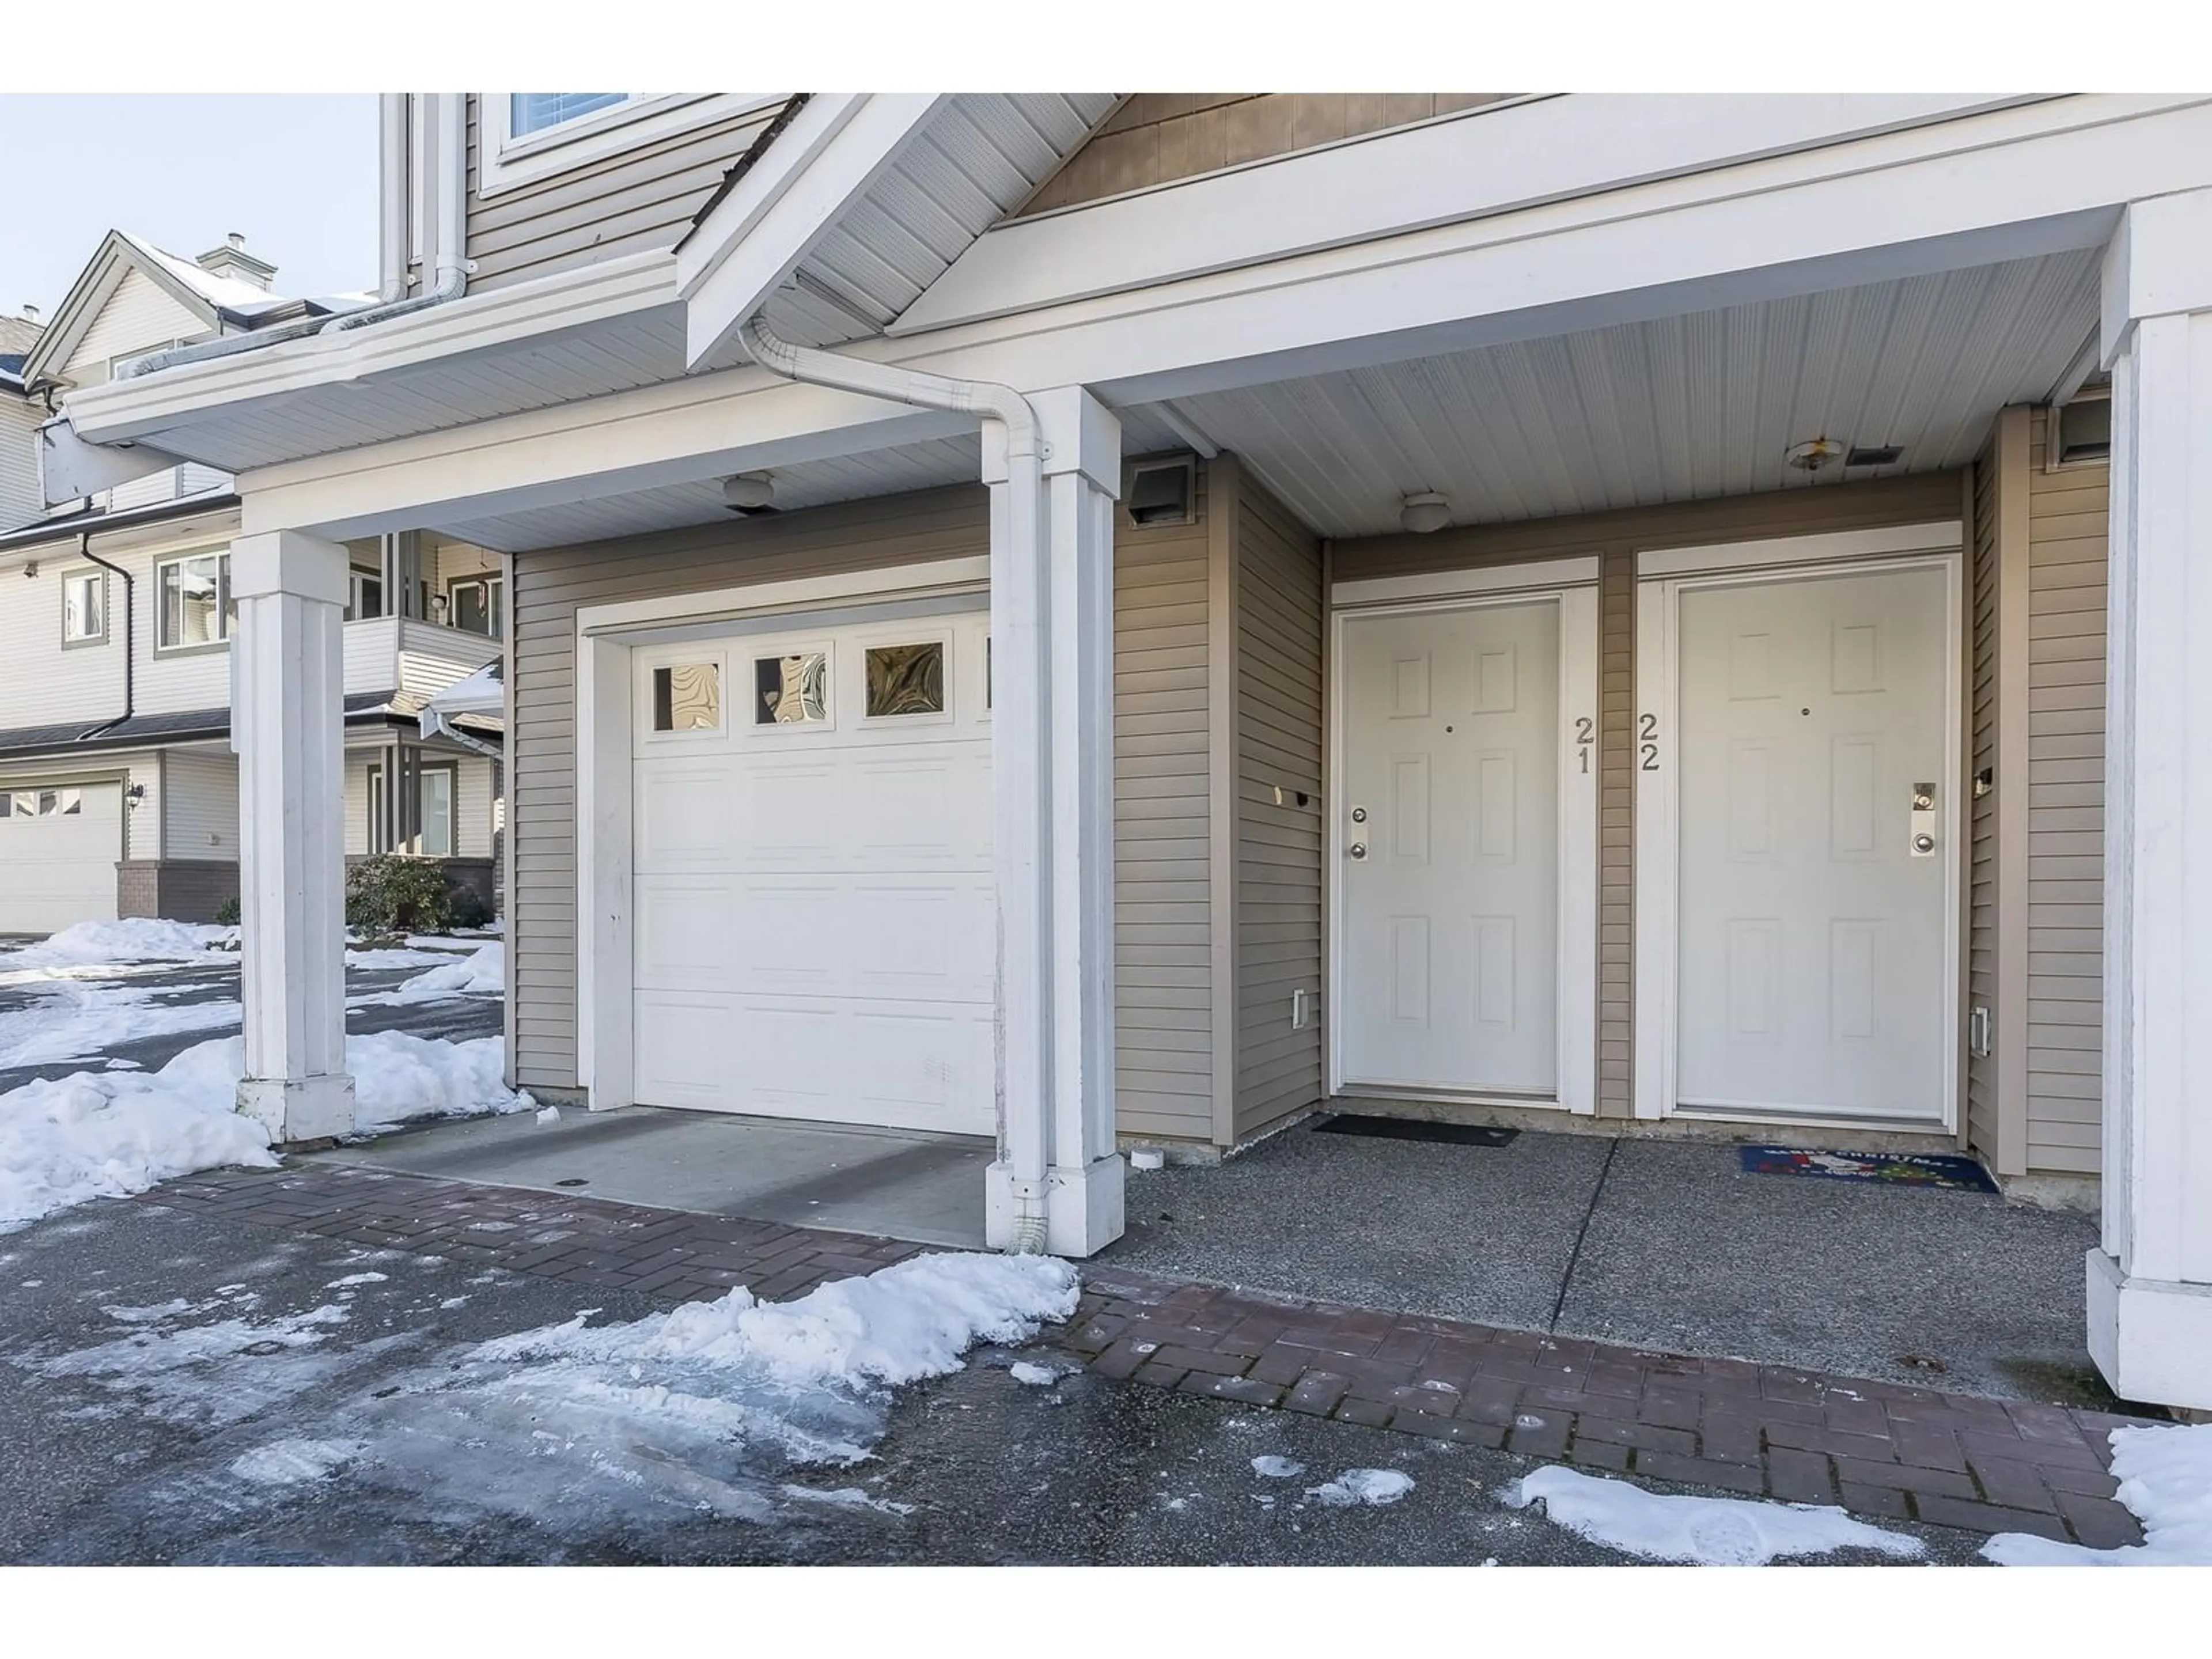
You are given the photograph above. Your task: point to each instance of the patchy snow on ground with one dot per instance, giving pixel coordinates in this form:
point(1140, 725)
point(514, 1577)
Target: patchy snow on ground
point(1730, 1532)
point(393, 957)
point(716, 1408)
point(1277, 1468)
point(2165, 1482)
point(72, 1020)
point(1370, 1487)
point(140, 938)
point(109, 1134)
point(1032, 1377)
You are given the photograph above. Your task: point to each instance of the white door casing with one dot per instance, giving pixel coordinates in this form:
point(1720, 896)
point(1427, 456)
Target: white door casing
point(814, 911)
point(1796, 956)
point(1463, 942)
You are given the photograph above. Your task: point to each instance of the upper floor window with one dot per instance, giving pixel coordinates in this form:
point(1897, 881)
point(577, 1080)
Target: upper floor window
point(477, 604)
point(531, 113)
point(84, 607)
point(192, 602)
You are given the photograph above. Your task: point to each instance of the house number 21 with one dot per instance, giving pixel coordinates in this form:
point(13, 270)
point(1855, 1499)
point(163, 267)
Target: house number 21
point(1647, 747)
point(1585, 729)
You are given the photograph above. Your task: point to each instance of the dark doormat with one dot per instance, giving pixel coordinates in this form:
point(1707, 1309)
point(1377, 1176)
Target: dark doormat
point(1896, 1169)
point(1408, 1129)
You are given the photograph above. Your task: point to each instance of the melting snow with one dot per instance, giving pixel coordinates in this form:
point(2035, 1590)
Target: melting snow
point(483, 972)
point(140, 939)
point(288, 1462)
point(2165, 1482)
point(1035, 1377)
point(1277, 1468)
point(1702, 1531)
point(109, 1134)
point(1370, 1487)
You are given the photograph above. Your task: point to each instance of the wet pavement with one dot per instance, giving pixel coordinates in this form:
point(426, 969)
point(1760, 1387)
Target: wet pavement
point(174, 1388)
point(165, 986)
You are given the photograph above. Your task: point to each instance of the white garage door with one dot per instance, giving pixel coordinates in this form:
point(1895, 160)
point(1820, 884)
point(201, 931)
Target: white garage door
point(815, 930)
point(58, 848)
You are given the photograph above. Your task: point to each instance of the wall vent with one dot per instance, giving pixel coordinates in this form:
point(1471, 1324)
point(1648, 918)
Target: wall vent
point(1161, 492)
point(1874, 455)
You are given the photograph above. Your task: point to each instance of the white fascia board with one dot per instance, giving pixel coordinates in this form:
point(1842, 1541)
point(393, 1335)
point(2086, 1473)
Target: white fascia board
point(1482, 162)
point(839, 145)
point(1911, 207)
point(527, 312)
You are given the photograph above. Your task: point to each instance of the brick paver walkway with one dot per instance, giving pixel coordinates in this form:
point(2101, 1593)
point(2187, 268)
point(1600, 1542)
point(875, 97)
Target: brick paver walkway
point(1877, 1449)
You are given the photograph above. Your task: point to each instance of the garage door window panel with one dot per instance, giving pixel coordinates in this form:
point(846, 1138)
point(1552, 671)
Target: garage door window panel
point(687, 696)
point(792, 690)
point(907, 681)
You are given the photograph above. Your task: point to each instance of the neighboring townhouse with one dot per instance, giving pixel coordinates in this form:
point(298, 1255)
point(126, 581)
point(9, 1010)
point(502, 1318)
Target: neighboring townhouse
point(118, 784)
point(20, 414)
point(1094, 619)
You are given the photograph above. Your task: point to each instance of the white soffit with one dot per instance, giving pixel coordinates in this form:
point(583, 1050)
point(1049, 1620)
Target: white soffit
point(814, 483)
point(977, 161)
point(1682, 409)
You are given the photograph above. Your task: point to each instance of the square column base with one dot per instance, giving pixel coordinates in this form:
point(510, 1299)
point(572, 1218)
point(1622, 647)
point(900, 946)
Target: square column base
point(295, 1109)
point(2152, 1339)
point(1082, 1206)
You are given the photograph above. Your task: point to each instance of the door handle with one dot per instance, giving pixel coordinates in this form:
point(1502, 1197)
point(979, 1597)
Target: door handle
point(1357, 849)
point(1924, 821)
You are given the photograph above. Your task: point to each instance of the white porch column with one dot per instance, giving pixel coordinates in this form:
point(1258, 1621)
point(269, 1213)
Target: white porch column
point(1060, 676)
point(2150, 1285)
point(288, 713)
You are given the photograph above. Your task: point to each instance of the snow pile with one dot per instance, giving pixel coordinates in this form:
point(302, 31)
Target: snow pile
point(483, 972)
point(362, 956)
point(1374, 1488)
point(109, 1134)
point(1725, 1532)
point(140, 938)
point(2166, 1480)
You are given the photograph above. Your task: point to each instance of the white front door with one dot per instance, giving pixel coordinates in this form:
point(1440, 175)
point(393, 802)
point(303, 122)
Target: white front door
point(1448, 800)
point(814, 909)
point(1814, 753)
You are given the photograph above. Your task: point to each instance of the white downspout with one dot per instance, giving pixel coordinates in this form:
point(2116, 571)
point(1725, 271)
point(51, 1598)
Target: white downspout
point(447, 258)
point(1021, 1123)
point(392, 187)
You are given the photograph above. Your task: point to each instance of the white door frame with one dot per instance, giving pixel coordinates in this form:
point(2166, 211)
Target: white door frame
point(1662, 577)
point(605, 636)
point(1572, 584)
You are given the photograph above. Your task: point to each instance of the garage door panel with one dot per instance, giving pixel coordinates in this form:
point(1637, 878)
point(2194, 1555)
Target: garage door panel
point(58, 848)
point(816, 931)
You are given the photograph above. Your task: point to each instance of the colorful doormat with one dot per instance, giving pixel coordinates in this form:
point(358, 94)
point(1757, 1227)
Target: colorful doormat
point(1899, 1169)
point(1408, 1128)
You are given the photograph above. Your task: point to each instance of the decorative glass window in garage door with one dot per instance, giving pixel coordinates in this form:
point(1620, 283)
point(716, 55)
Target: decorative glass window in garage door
point(792, 690)
point(687, 696)
point(906, 679)
point(42, 803)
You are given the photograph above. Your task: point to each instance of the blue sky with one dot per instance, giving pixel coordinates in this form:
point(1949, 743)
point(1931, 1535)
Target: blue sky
point(296, 174)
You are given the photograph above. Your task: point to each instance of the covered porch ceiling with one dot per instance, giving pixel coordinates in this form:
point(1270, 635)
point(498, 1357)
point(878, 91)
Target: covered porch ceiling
point(1682, 407)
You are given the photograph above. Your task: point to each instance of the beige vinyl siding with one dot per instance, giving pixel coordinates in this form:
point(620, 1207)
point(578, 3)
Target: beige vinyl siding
point(2065, 747)
point(1615, 537)
point(200, 817)
point(1280, 617)
point(82, 683)
point(1156, 137)
point(357, 762)
point(1981, 1069)
point(1164, 1037)
point(633, 202)
point(472, 814)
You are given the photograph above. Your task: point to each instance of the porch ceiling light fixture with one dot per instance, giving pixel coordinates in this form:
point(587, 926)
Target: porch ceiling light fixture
point(1424, 512)
point(748, 492)
point(1813, 454)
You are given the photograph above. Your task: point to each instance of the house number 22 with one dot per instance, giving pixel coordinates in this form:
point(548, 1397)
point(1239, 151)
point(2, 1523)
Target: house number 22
point(1647, 733)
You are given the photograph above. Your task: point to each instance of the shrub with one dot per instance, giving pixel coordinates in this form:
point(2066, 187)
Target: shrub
point(388, 894)
point(226, 913)
point(469, 910)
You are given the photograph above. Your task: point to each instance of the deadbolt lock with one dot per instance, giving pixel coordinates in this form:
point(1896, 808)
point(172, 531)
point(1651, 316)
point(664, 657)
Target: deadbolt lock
point(1923, 820)
point(1360, 815)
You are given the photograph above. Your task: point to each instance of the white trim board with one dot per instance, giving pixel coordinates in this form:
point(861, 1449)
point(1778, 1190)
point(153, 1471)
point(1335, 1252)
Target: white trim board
point(1788, 552)
point(1537, 575)
point(1578, 987)
point(506, 162)
point(605, 1068)
point(1658, 804)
